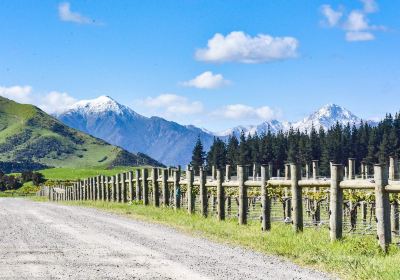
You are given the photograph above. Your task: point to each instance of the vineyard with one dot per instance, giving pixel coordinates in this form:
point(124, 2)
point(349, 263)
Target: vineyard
point(345, 203)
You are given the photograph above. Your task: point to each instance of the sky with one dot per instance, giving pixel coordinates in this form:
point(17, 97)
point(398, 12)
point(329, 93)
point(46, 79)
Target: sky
point(212, 63)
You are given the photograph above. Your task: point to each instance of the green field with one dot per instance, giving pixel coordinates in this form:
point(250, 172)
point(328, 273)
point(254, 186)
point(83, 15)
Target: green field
point(79, 173)
point(355, 257)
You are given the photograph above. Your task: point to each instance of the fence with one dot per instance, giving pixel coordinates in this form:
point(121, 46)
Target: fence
point(298, 199)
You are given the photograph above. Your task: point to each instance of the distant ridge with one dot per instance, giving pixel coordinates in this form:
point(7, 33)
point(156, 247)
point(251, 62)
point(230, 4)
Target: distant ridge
point(325, 117)
point(170, 142)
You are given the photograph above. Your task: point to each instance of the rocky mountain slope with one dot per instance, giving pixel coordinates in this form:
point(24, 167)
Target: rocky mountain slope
point(166, 141)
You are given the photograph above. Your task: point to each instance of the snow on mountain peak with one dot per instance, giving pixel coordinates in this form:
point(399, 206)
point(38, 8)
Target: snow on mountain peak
point(99, 105)
point(326, 117)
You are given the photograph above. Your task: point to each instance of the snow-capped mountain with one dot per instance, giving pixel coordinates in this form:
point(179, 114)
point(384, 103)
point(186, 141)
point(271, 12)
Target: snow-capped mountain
point(274, 126)
point(170, 142)
point(325, 117)
point(166, 141)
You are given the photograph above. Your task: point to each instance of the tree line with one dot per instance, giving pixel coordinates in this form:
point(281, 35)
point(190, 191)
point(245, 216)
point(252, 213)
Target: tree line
point(12, 182)
point(364, 142)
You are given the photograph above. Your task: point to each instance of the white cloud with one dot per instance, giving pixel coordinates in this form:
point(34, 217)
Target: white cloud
point(56, 102)
point(240, 47)
point(356, 23)
point(245, 112)
point(359, 36)
point(53, 102)
point(172, 105)
point(21, 94)
point(370, 6)
point(331, 15)
point(207, 80)
point(65, 14)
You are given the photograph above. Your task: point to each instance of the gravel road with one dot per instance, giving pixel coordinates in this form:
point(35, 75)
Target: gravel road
point(52, 241)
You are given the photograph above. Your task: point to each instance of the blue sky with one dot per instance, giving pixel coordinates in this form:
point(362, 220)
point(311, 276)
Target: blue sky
point(254, 60)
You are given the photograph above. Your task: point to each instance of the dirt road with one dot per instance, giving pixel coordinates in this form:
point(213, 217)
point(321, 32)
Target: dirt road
point(52, 241)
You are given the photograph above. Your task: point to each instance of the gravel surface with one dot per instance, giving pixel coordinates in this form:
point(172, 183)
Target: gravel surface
point(51, 241)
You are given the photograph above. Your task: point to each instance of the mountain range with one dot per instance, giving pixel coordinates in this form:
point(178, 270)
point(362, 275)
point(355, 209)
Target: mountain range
point(31, 139)
point(170, 142)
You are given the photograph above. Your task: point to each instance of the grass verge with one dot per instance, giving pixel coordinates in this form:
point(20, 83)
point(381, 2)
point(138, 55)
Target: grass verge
point(354, 257)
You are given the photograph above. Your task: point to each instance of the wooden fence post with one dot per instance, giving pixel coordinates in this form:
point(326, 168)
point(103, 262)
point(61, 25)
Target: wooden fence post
point(165, 189)
point(336, 203)
point(352, 168)
point(130, 184)
point(203, 193)
point(265, 200)
point(98, 187)
point(189, 190)
point(154, 180)
point(107, 188)
point(288, 200)
point(220, 196)
point(119, 187)
point(227, 172)
point(113, 189)
point(101, 183)
point(394, 216)
point(137, 185)
point(242, 177)
point(315, 169)
point(145, 185)
point(177, 189)
point(123, 188)
point(297, 200)
point(382, 207)
point(93, 186)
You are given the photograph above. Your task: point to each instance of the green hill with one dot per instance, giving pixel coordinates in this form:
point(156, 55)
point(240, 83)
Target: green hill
point(32, 139)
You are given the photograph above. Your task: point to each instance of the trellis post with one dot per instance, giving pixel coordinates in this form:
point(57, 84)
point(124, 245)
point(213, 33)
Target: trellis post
point(145, 185)
point(189, 190)
point(297, 201)
point(265, 200)
point(336, 203)
point(98, 187)
point(220, 196)
point(315, 169)
point(154, 177)
point(382, 207)
point(137, 185)
point(177, 189)
point(352, 168)
point(130, 184)
point(287, 202)
point(227, 172)
point(241, 177)
point(123, 187)
point(203, 193)
point(165, 189)
point(107, 188)
point(113, 189)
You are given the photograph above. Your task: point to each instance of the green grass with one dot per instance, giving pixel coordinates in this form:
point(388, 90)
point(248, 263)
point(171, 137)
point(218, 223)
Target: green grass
point(355, 257)
point(78, 173)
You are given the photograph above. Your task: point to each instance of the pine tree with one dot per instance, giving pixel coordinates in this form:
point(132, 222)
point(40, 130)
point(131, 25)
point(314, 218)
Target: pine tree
point(198, 156)
point(232, 151)
point(244, 151)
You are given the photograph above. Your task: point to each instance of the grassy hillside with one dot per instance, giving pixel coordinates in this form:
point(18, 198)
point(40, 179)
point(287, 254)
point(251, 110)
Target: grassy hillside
point(31, 139)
